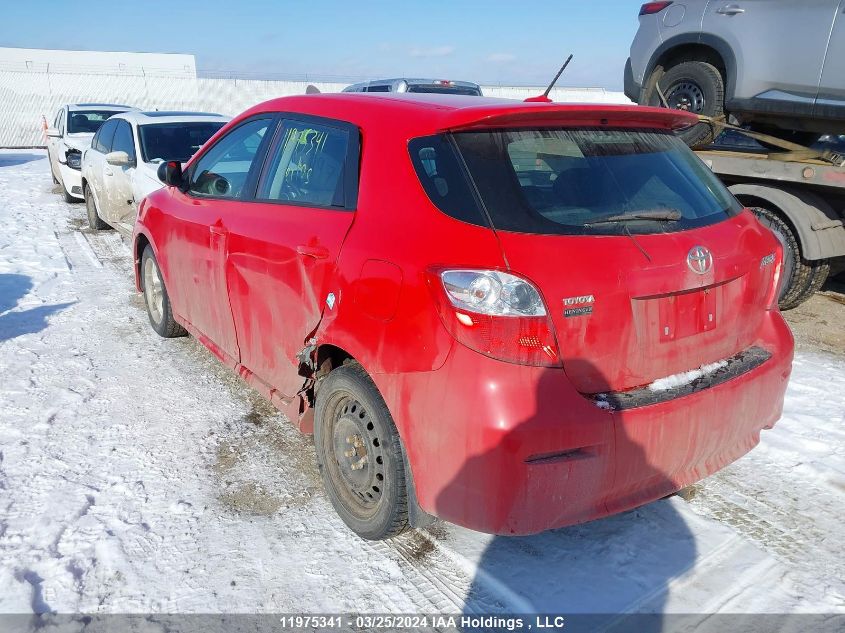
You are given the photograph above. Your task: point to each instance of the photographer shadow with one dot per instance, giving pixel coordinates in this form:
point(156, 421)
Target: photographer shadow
point(14, 323)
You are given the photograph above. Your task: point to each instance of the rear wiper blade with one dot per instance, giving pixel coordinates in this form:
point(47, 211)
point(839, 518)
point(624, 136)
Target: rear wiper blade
point(668, 215)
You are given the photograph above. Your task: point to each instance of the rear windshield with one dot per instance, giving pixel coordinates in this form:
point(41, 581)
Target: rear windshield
point(445, 90)
point(571, 181)
point(175, 141)
point(87, 120)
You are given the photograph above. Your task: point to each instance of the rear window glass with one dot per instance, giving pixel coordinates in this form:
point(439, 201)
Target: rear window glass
point(445, 89)
point(175, 141)
point(596, 181)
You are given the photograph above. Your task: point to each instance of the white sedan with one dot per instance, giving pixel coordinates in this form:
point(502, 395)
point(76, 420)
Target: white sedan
point(120, 167)
point(69, 136)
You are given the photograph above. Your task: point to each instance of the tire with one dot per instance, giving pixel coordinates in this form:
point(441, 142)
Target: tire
point(801, 277)
point(353, 427)
point(156, 298)
point(819, 276)
point(68, 198)
point(694, 86)
point(95, 222)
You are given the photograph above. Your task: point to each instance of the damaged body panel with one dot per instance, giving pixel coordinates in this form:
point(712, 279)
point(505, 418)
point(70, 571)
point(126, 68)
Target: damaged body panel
point(447, 270)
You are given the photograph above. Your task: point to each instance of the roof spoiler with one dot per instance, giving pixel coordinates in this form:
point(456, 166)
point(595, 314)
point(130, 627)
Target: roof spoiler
point(547, 114)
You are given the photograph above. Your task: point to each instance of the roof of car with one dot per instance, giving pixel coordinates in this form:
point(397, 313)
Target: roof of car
point(170, 116)
point(430, 113)
point(413, 81)
point(100, 106)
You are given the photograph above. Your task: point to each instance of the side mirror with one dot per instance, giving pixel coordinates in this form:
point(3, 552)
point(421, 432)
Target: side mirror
point(170, 173)
point(118, 159)
point(53, 133)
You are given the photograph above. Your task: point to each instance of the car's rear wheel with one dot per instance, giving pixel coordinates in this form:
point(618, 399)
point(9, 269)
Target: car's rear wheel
point(360, 455)
point(693, 86)
point(95, 222)
point(801, 277)
point(157, 299)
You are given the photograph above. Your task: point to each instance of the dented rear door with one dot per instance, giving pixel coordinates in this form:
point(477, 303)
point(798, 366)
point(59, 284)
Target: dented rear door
point(284, 245)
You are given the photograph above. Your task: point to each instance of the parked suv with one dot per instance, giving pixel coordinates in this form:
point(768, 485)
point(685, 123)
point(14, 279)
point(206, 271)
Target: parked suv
point(73, 128)
point(437, 86)
point(513, 316)
point(776, 65)
point(120, 167)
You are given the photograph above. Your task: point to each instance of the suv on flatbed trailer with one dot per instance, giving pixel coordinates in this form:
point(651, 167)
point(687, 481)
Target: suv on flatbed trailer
point(775, 65)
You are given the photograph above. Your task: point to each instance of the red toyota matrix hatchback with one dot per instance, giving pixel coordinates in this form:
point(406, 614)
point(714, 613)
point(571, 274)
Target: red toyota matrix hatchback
point(512, 316)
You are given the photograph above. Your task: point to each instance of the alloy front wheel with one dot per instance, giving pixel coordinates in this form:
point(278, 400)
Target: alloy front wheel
point(157, 299)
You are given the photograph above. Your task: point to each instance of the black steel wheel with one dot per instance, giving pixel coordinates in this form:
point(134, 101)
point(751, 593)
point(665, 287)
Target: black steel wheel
point(693, 86)
point(360, 455)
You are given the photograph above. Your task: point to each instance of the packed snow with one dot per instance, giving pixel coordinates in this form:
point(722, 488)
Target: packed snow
point(139, 475)
point(686, 377)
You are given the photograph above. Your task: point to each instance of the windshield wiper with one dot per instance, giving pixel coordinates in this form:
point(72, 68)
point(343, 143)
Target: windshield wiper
point(667, 215)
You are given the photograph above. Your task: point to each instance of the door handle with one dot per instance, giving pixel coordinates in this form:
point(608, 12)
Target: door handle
point(731, 9)
point(317, 252)
point(108, 172)
point(217, 230)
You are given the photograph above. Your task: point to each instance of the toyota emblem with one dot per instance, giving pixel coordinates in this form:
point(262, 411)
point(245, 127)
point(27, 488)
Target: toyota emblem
point(700, 260)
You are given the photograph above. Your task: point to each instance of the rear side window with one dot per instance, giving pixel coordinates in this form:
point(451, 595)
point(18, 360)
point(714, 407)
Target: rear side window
point(222, 171)
point(560, 181)
point(441, 175)
point(123, 141)
point(592, 181)
point(102, 141)
point(307, 166)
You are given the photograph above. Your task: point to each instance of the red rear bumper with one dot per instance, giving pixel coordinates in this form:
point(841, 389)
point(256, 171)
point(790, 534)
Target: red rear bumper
point(509, 449)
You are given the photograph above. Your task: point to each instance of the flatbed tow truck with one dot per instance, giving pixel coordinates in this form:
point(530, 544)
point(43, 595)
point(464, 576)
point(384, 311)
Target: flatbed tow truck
point(800, 195)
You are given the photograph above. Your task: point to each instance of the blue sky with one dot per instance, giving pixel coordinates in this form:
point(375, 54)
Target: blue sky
point(492, 41)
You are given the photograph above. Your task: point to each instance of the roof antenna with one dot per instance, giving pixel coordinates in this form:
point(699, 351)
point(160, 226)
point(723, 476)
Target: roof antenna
point(544, 98)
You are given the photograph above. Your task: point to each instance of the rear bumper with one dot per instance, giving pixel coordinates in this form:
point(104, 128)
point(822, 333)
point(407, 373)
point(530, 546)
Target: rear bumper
point(507, 449)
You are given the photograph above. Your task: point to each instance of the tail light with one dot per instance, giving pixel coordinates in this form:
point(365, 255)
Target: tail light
point(653, 7)
point(495, 313)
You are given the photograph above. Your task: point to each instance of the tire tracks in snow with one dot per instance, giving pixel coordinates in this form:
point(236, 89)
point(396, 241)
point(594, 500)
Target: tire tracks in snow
point(442, 585)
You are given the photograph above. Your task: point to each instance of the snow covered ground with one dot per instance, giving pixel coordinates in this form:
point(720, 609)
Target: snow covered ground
point(137, 475)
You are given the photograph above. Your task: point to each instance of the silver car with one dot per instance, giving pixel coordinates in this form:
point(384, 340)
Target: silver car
point(777, 66)
point(437, 86)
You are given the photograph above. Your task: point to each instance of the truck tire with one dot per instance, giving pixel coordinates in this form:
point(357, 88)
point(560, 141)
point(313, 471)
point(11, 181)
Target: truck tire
point(820, 276)
point(801, 277)
point(359, 454)
point(694, 86)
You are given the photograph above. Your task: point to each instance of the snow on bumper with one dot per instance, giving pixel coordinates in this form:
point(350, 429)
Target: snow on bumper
point(509, 449)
